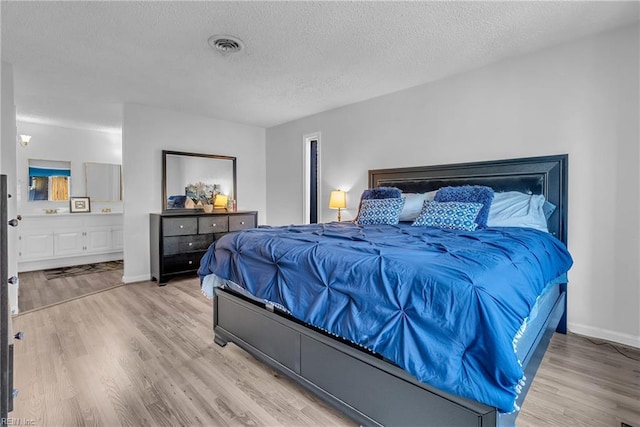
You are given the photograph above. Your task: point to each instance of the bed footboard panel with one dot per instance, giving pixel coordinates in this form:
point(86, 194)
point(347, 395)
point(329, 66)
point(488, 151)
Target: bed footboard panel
point(365, 388)
point(387, 399)
point(255, 329)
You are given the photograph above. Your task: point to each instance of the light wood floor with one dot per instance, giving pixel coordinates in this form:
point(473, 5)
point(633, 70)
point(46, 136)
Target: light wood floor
point(144, 355)
point(36, 291)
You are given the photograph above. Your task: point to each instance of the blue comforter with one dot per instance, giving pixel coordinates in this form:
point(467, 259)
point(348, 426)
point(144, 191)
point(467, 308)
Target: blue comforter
point(444, 305)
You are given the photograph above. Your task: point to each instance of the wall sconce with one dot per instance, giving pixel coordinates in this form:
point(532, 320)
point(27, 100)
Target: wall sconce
point(338, 200)
point(24, 140)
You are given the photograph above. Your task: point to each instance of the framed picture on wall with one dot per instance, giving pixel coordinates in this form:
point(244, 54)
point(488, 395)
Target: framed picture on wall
point(80, 204)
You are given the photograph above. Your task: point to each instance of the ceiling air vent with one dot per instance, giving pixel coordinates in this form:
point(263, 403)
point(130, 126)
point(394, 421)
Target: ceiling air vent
point(226, 44)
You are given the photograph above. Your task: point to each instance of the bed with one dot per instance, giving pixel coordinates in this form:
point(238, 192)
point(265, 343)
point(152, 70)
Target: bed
point(386, 375)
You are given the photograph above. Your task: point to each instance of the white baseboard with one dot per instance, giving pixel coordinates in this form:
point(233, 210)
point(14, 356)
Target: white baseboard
point(138, 278)
point(626, 339)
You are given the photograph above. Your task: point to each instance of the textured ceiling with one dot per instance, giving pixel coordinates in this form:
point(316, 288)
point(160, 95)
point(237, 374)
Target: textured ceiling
point(77, 63)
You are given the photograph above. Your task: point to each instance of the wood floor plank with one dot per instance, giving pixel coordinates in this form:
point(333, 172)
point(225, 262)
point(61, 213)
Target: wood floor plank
point(581, 383)
point(141, 354)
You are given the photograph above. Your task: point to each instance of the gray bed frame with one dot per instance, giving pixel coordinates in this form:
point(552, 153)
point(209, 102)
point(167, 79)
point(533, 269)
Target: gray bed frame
point(362, 385)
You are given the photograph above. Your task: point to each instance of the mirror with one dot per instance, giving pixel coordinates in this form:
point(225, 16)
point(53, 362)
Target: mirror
point(198, 181)
point(49, 180)
point(104, 182)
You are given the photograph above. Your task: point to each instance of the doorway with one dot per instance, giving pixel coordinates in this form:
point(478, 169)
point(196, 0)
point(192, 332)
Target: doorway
point(312, 167)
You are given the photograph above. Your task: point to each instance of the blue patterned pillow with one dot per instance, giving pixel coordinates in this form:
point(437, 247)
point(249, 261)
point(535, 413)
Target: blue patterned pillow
point(469, 194)
point(380, 211)
point(449, 215)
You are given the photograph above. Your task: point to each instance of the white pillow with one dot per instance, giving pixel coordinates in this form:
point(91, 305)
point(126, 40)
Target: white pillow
point(413, 204)
point(515, 209)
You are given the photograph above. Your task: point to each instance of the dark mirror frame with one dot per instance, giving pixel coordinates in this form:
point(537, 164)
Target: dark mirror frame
point(165, 153)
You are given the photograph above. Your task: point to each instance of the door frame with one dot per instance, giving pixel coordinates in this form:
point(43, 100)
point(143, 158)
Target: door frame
point(306, 178)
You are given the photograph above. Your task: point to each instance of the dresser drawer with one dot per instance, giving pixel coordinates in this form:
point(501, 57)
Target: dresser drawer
point(240, 222)
point(181, 244)
point(213, 224)
point(183, 262)
point(179, 226)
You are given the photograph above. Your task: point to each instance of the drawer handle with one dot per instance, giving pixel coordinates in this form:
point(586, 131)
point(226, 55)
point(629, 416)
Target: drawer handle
point(241, 222)
point(214, 225)
point(181, 226)
point(190, 262)
point(190, 244)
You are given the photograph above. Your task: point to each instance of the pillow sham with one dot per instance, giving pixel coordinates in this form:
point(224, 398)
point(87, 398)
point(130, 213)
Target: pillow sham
point(413, 203)
point(469, 194)
point(449, 215)
point(380, 211)
point(515, 209)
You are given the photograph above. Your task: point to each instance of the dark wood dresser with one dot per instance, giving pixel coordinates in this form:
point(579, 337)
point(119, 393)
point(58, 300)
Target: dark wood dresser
point(179, 240)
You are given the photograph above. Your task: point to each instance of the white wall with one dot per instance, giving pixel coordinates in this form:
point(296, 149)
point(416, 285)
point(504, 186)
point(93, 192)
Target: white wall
point(146, 132)
point(65, 144)
point(580, 98)
point(8, 167)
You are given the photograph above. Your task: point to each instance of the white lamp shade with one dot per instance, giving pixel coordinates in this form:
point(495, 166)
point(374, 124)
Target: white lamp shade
point(24, 140)
point(338, 200)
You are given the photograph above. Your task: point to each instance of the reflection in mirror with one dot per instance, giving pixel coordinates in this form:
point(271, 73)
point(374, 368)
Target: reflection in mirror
point(49, 180)
point(104, 182)
point(194, 180)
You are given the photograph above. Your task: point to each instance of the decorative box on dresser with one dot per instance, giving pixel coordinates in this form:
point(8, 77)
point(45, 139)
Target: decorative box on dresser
point(180, 239)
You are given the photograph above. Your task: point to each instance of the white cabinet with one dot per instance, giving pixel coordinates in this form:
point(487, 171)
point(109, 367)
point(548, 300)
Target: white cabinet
point(117, 238)
point(74, 242)
point(57, 240)
point(67, 243)
point(35, 244)
point(98, 239)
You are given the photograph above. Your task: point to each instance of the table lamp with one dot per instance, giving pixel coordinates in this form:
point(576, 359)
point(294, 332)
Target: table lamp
point(338, 200)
